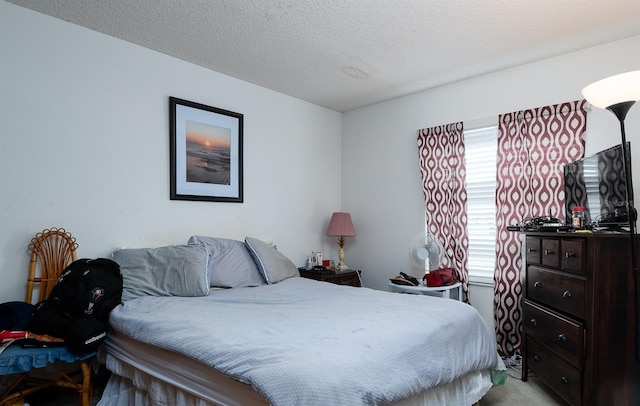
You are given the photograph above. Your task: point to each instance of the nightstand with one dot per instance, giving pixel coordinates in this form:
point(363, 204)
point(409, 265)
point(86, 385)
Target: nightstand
point(440, 291)
point(347, 277)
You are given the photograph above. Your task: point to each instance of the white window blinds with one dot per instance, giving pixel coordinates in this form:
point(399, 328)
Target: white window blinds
point(481, 147)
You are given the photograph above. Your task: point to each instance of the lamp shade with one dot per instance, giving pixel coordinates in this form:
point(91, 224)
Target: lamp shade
point(621, 88)
point(341, 225)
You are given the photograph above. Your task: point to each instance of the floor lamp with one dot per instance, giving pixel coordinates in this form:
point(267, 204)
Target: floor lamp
point(617, 94)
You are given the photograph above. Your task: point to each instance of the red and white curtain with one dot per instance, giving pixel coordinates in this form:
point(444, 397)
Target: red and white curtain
point(442, 169)
point(533, 147)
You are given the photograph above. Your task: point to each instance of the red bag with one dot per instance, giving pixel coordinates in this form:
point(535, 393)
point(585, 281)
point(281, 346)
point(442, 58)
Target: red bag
point(441, 277)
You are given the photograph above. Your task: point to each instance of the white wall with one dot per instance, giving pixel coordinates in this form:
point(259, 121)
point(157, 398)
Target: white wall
point(84, 144)
point(381, 178)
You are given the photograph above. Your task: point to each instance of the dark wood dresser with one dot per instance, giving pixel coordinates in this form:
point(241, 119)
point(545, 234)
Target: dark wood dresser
point(578, 316)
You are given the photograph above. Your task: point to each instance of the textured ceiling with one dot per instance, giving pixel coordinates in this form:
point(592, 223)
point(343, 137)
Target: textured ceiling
point(345, 54)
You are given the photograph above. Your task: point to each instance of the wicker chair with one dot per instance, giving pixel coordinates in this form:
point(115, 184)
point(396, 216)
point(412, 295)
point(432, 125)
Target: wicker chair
point(51, 251)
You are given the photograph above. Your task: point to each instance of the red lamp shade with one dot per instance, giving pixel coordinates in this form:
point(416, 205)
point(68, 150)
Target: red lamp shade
point(341, 225)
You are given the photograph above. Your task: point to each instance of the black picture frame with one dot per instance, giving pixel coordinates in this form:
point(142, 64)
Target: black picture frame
point(205, 145)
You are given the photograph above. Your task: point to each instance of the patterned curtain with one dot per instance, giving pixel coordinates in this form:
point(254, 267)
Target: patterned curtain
point(533, 147)
point(442, 169)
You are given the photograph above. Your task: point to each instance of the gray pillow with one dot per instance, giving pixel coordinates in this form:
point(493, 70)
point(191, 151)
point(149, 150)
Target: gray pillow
point(230, 263)
point(274, 266)
point(177, 270)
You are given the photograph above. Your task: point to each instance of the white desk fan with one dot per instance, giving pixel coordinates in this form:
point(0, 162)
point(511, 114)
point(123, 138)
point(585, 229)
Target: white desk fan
point(426, 253)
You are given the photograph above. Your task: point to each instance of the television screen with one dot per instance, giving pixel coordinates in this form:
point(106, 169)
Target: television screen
point(598, 183)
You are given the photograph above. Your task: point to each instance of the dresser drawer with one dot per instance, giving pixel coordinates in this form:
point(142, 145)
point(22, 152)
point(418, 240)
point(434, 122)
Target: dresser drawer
point(573, 253)
point(551, 252)
point(563, 336)
point(349, 281)
point(558, 290)
point(533, 250)
point(558, 374)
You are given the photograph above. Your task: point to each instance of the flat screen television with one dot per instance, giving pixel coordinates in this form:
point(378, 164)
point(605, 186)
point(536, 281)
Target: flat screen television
point(598, 183)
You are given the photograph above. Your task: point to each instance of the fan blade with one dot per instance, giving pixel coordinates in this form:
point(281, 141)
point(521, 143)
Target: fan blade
point(422, 253)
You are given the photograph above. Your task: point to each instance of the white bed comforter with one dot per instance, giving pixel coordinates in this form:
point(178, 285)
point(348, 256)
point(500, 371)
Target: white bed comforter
point(302, 342)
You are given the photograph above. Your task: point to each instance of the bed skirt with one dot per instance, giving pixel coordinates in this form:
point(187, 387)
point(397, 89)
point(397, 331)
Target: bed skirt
point(129, 385)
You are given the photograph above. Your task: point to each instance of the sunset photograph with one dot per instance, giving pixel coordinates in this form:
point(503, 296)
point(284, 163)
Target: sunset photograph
point(208, 153)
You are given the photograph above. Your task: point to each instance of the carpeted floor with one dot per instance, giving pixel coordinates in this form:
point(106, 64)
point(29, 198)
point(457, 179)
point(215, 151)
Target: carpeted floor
point(67, 397)
point(515, 392)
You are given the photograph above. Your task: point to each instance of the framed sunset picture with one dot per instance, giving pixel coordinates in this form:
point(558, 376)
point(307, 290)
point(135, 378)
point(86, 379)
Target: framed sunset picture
point(205, 152)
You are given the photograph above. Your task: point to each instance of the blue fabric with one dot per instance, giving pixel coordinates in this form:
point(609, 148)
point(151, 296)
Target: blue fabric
point(15, 315)
point(15, 359)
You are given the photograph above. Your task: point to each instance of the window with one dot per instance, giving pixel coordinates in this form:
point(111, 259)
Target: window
point(481, 150)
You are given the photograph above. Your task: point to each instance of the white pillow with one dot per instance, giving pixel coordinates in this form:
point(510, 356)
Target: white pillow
point(274, 266)
point(230, 264)
point(176, 270)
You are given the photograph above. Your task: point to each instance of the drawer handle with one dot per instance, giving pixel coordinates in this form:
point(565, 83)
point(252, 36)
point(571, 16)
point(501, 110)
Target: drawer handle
point(537, 284)
point(567, 295)
point(569, 255)
point(533, 322)
point(564, 380)
point(548, 252)
point(536, 359)
point(530, 250)
point(562, 338)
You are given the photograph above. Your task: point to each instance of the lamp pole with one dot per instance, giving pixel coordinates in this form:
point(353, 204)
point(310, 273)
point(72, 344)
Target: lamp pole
point(620, 110)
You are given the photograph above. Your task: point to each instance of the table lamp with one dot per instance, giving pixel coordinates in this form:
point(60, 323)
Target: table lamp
point(341, 226)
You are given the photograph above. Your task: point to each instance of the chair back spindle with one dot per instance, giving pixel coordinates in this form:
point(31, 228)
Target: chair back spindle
point(51, 251)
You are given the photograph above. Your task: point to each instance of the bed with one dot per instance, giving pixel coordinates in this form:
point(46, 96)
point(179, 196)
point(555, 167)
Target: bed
point(272, 337)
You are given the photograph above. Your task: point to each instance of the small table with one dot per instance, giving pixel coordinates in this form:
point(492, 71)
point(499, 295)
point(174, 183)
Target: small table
point(350, 277)
point(440, 291)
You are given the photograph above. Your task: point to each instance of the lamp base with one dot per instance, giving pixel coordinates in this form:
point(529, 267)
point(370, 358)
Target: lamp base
point(341, 265)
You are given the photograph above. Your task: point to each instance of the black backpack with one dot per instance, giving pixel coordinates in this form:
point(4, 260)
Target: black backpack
point(79, 304)
point(89, 287)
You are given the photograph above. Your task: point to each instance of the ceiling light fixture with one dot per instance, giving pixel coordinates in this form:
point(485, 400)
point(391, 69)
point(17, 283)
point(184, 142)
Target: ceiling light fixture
point(355, 72)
